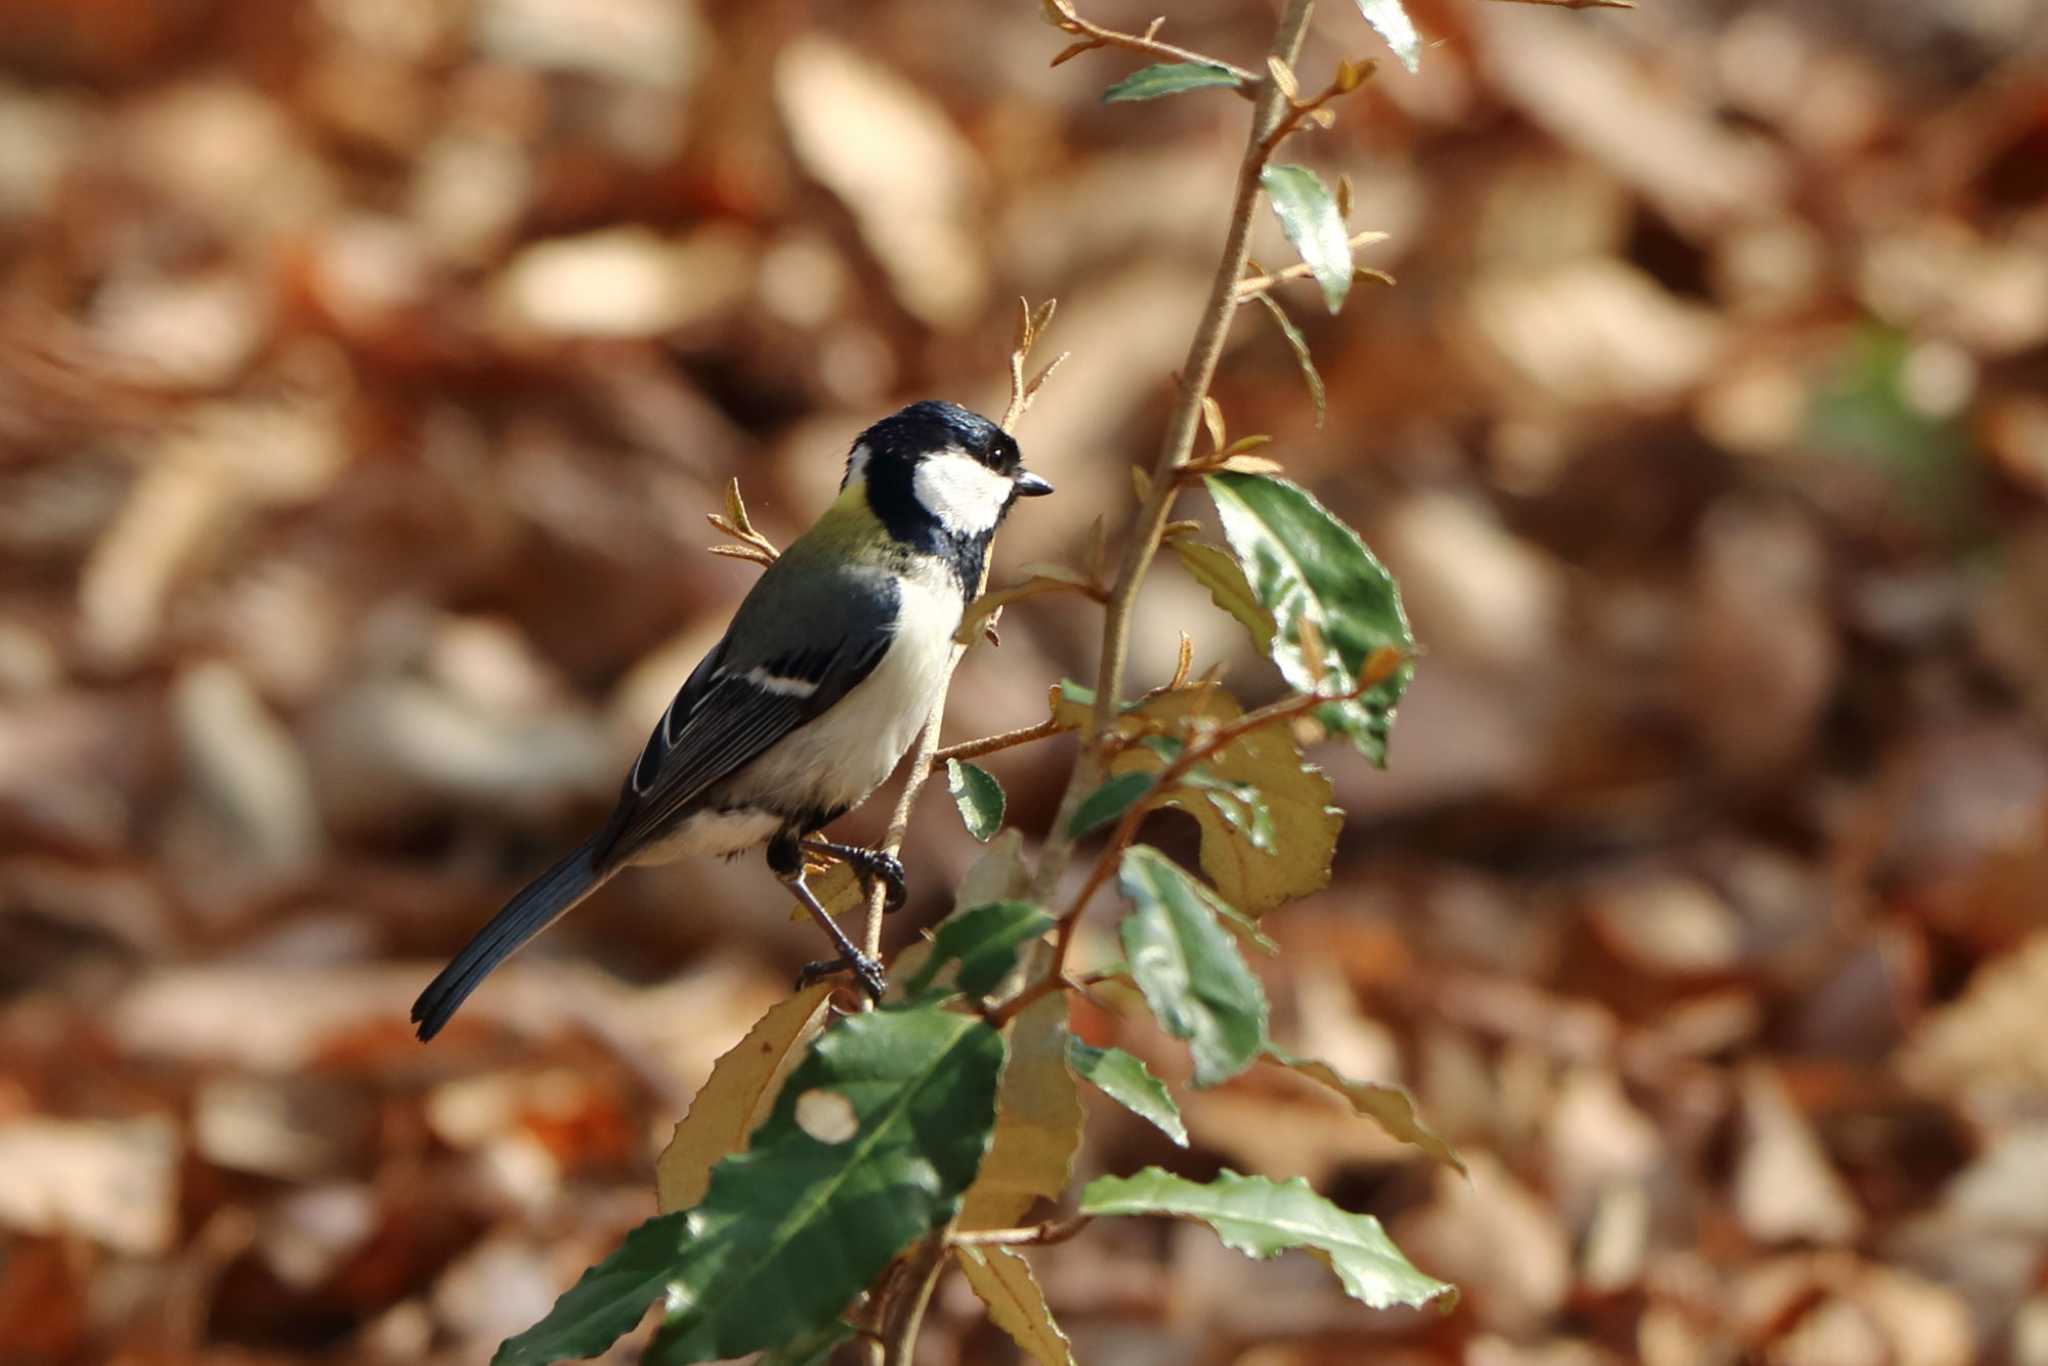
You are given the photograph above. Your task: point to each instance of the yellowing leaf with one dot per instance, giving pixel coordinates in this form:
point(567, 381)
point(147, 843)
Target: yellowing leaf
point(1038, 1122)
point(1391, 1107)
point(1003, 1280)
point(1217, 570)
point(736, 1097)
point(1296, 793)
point(837, 890)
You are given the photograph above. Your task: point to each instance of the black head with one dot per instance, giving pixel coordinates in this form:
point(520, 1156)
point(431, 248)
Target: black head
point(941, 478)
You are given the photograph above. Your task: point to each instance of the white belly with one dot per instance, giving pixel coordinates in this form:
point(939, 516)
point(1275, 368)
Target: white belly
point(841, 757)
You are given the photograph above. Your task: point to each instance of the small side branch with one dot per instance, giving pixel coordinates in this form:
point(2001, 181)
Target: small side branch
point(1062, 15)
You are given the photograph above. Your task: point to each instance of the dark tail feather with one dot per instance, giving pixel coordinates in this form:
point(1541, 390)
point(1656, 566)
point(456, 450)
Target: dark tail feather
point(537, 906)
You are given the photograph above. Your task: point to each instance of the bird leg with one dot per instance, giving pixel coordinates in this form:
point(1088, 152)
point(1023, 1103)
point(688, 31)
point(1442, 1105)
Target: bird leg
point(785, 860)
point(868, 865)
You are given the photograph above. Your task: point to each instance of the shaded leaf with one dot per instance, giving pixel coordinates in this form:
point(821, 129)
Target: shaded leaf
point(1261, 1217)
point(1128, 1082)
point(1038, 1121)
point(1003, 1281)
point(983, 942)
point(793, 1228)
point(1188, 967)
point(811, 1349)
point(1330, 598)
point(1169, 78)
point(1308, 214)
point(1299, 344)
point(1390, 1107)
point(1393, 24)
point(743, 1084)
point(1218, 571)
point(978, 796)
point(1108, 802)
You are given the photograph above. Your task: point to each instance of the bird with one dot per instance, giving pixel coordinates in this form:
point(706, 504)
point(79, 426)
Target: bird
point(828, 669)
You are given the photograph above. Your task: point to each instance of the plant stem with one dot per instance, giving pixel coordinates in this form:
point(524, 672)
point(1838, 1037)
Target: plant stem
point(993, 744)
point(911, 1292)
point(1204, 352)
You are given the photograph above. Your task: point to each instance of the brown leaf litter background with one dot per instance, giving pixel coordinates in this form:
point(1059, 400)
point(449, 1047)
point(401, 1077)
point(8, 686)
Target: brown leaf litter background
point(367, 368)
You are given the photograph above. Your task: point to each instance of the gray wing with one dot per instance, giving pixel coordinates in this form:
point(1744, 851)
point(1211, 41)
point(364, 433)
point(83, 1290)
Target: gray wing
point(804, 638)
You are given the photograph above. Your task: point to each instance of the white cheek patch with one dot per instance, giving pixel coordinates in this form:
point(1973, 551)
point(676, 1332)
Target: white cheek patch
point(964, 495)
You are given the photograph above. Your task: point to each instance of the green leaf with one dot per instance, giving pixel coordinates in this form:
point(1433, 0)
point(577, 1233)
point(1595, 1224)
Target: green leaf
point(979, 797)
point(1128, 1082)
point(1390, 1107)
point(1308, 214)
point(901, 1103)
point(1300, 345)
point(1108, 802)
point(1307, 566)
point(1217, 570)
point(1240, 804)
point(984, 942)
point(1393, 24)
point(1169, 78)
point(811, 1349)
point(1261, 1217)
point(1189, 968)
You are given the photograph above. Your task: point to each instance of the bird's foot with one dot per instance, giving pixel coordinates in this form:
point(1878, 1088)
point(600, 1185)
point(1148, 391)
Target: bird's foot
point(865, 970)
point(870, 866)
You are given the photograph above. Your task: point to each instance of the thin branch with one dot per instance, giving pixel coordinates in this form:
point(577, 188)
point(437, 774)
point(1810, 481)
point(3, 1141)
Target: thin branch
point(1052, 1231)
point(1063, 16)
point(1301, 270)
point(995, 744)
point(1030, 325)
point(1204, 352)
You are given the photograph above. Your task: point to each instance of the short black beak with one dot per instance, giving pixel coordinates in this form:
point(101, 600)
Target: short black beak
point(1030, 485)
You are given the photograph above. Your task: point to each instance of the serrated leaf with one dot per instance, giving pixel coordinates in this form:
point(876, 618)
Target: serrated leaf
point(1169, 78)
point(1188, 967)
point(1296, 794)
point(1003, 1281)
point(1305, 565)
point(978, 796)
point(983, 943)
point(1217, 570)
point(1038, 1121)
point(1127, 1081)
point(1390, 1107)
point(1262, 1218)
point(1393, 24)
point(1108, 802)
point(1308, 215)
point(742, 1086)
point(1299, 345)
point(793, 1228)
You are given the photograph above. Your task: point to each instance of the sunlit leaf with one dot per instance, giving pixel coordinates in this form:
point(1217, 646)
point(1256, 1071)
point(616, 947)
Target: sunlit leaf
point(1308, 214)
point(1393, 24)
point(1188, 967)
point(1261, 1218)
point(795, 1227)
point(1307, 566)
point(1003, 1281)
point(743, 1084)
point(1128, 1082)
point(1169, 78)
point(1390, 1107)
point(979, 797)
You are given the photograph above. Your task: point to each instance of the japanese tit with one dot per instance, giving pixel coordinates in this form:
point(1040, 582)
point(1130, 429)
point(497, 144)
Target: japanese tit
point(830, 666)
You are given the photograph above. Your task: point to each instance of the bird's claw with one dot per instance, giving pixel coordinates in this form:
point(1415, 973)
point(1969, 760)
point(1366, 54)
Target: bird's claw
point(866, 971)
